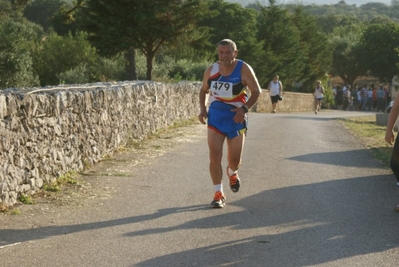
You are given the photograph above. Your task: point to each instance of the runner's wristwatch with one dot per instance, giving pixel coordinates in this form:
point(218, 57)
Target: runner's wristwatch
point(245, 108)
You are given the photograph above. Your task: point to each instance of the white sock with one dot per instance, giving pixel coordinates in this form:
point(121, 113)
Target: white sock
point(230, 171)
point(218, 187)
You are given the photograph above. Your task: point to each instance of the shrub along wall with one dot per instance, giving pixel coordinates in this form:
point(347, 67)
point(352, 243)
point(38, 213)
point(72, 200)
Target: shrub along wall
point(47, 132)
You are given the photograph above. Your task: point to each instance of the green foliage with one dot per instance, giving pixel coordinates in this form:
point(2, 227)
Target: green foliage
point(67, 178)
point(108, 69)
point(26, 199)
point(344, 42)
point(187, 70)
point(77, 75)
point(328, 100)
point(315, 47)
point(16, 212)
point(41, 11)
point(12, 8)
point(364, 12)
point(176, 40)
point(102, 70)
point(168, 69)
point(16, 67)
point(53, 187)
point(377, 50)
point(6, 10)
point(116, 26)
point(234, 22)
point(329, 22)
point(281, 44)
point(65, 20)
point(58, 54)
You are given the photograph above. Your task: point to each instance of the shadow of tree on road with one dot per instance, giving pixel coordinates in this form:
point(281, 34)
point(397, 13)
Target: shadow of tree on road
point(304, 225)
point(300, 225)
point(350, 158)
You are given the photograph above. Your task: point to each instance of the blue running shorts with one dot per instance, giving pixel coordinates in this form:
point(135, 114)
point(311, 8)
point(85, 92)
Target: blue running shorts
point(220, 119)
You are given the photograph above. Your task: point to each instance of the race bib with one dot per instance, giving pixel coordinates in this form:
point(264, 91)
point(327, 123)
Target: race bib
point(222, 89)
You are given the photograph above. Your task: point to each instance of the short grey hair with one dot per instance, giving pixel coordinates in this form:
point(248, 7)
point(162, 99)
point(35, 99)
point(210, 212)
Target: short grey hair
point(228, 42)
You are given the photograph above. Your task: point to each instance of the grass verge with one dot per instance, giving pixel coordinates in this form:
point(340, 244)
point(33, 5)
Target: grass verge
point(371, 135)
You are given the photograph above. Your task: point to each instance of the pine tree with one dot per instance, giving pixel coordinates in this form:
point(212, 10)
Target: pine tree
point(281, 39)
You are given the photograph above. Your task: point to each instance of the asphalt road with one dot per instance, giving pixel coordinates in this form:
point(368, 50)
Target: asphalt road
point(311, 195)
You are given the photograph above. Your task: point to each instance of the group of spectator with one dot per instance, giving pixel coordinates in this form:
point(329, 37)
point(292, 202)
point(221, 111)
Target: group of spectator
point(362, 97)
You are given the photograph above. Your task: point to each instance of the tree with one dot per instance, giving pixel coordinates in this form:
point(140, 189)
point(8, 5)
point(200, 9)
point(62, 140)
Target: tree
point(64, 20)
point(12, 9)
point(15, 53)
point(329, 22)
point(41, 11)
point(122, 25)
point(16, 36)
point(345, 64)
point(315, 47)
point(237, 23)
point(281, 44)
point(378, 50)
point(344, 42)
point(57, 54)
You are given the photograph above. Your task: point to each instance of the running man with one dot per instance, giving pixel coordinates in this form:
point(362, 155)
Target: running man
point(226, 82)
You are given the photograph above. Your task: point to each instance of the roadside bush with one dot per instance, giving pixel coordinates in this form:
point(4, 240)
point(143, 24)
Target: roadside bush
point(328, 101)
point(108, 69)
point(167, 69)
point(59, 54)
point(78, 75)
point(103, 70)
point(188, 70)
point(16, 66)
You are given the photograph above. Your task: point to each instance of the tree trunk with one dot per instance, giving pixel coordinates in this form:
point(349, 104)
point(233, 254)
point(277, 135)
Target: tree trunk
point(130, 67)
point(150, 57)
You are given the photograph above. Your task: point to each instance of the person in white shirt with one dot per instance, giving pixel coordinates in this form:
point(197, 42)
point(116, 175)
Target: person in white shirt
point(275, 89)
point(319, 95)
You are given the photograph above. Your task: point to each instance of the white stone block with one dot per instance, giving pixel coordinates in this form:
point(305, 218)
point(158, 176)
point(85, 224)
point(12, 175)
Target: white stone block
point(381, 119)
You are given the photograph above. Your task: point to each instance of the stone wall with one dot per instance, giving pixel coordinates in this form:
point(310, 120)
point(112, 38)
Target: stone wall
point(47, 132)
point(293, 102)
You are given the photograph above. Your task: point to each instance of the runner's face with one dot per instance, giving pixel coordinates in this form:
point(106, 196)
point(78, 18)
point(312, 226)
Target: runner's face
point(226, 54)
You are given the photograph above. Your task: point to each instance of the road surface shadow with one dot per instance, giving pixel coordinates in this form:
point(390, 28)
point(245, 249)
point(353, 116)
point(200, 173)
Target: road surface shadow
point(318, 223)
point(350, 158)
point(303, 225)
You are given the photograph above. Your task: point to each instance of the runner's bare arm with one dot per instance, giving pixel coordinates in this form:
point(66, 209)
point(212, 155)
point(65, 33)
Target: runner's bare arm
point(202, 96)
point(393, 116)
point(249, 79)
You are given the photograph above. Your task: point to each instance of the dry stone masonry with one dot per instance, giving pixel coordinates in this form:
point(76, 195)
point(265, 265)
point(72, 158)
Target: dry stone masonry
point(47, 132)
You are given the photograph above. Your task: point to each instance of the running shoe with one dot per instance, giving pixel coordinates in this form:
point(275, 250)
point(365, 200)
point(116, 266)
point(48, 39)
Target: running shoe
point(234, 181)
point(218, 200)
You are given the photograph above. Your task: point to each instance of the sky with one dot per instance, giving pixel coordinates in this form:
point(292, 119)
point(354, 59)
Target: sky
point(317, 2)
